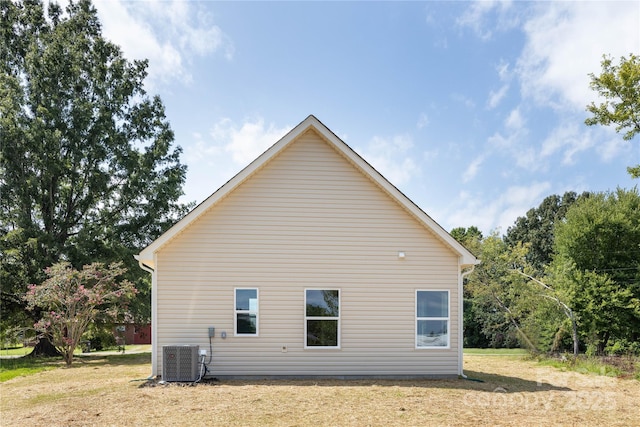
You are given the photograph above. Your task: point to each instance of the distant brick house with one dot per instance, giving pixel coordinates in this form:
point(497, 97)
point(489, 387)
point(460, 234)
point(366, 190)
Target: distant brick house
point(133, 334)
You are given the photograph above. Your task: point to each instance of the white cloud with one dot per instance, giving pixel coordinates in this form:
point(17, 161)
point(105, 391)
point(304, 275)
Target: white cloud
point(429, 15)
point(500, 142)
point(516, 131)
point(503, 70)
point(209, 156)
point(391, 158)
point(565, 42)
point(514, 141)
point(515, 121)
point(514, 144)
point(475, 17)
point(168, 33)
point(570, 139)
point(496, 96)
point(247, 141)
point(465, 100)
point(504, 73)
point(472, 169)
point(199, 150)
point(517, 200)
point(612, 147)
point(429, 155)
point(499, 213)
point(423, 121)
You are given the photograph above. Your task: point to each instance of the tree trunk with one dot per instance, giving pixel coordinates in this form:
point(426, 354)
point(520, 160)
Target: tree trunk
point(44, 348)
point(602, 343)
point(574, 335)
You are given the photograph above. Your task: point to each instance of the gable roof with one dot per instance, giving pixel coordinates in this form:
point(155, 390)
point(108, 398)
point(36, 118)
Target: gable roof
point(146, 256)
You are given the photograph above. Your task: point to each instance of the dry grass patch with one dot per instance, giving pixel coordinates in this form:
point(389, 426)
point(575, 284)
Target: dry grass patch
point(108, 391)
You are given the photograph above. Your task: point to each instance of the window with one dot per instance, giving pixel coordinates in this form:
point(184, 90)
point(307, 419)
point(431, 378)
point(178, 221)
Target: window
point(432, 319)
point(246, 307)
point(322, 318)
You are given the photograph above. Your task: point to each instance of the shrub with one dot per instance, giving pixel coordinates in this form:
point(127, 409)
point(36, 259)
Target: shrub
point(101, 336)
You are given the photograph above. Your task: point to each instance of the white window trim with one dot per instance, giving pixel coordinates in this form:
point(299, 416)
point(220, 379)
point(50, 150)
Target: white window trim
point(236, 312)
point(304, 308)
point(448, 319)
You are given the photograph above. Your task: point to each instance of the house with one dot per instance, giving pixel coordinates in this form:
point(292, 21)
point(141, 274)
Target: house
point(310, 263)
point(131, 333)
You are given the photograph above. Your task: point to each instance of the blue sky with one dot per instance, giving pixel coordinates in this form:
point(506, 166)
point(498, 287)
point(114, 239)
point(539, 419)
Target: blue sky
point(475, 110)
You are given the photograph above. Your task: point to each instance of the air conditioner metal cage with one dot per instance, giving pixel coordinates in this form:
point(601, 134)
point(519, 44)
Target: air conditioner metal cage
point(180, 362)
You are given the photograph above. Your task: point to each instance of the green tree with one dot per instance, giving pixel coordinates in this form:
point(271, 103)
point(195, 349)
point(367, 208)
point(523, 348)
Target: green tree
point(483, 321)
point(505, 304)
point(619, 85)
point(597, 265)
point(88, 169)
point(536, 228)
point(71, 299)
point(493, 292)
point(467, 236)
point(541, 314)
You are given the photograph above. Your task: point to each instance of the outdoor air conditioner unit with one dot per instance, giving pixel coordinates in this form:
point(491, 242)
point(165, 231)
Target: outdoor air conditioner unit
point(180, 362)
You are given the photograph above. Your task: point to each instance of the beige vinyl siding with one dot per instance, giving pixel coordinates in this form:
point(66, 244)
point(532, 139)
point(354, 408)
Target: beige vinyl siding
point(307, 219)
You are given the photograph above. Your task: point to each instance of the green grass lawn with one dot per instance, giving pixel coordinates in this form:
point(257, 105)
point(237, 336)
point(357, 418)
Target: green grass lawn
point(12, 364)
point(22, 366)
point(23, 351)
point(15, 351)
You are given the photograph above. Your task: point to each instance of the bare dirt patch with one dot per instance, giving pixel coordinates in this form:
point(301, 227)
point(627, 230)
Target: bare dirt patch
point(514, 391)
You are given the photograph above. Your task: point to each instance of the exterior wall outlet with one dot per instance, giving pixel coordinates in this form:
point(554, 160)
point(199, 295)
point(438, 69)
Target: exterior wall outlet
point(284, 348)
point(203, 352)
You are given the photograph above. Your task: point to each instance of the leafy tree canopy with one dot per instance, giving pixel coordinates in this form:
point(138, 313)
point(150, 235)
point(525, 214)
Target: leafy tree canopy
point(597, 265)
point(496, 296)
point(467, 236)
point(619, 85)
point(88, 169)
point(536, 228)
point(505, 304)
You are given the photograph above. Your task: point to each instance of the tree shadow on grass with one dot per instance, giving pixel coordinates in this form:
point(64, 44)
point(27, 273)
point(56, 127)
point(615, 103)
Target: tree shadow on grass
point(509, 384)
point(28, 362)
point(79, 361)
point(111, 360)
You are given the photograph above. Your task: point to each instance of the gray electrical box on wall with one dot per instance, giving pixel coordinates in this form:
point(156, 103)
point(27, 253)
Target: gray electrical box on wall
point(212, 332)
